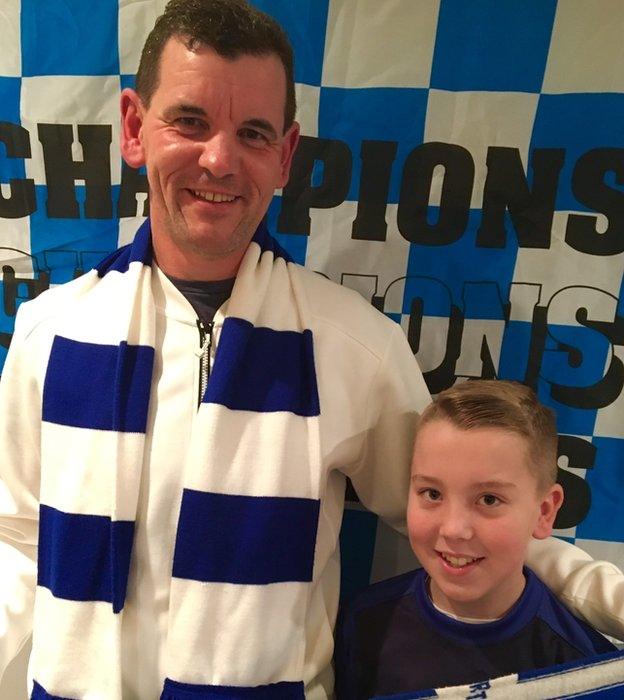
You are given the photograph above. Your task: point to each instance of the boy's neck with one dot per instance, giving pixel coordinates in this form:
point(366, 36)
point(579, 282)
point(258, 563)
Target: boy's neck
point(491, 607)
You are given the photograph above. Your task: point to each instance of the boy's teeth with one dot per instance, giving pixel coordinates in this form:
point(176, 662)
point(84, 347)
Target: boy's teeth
point(458, 561)
point(214, 196)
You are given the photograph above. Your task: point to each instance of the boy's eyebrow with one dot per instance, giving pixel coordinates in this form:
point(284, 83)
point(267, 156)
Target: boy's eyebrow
point(424, 477)
point(491, 484)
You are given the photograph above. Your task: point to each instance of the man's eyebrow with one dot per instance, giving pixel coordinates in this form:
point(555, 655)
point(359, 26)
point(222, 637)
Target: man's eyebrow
point(184, 108)
point(263, 124)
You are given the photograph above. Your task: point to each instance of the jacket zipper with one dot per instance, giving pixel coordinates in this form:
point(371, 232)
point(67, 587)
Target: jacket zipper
point(205, 344)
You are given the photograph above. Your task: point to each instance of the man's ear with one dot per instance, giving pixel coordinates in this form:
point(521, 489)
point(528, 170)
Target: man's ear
point(131, 123)
point(291, 139)
point(549, 506)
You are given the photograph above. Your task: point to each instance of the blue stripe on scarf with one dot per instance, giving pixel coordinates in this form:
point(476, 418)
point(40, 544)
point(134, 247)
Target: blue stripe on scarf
point(266, 242)
point(262, 370)
point(140, 250)
point(275, 691)
point(245, 539)
point(105, 387)
point(84, 557)
point(39, 693)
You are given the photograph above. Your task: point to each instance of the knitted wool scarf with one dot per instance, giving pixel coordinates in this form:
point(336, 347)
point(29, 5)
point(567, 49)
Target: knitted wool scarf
point(246, 532)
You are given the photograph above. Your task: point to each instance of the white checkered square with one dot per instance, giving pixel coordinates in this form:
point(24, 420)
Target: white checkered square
point(562, 266)
point(600, 549)
point(367, 42)
point(15, 244)
point(477, 120)
point(308, 98)
point(332, 250)
point(474, 333)
point(586, 48)
point(136, 19)
point(80, 100)
point(127, 229)
point(10, 31)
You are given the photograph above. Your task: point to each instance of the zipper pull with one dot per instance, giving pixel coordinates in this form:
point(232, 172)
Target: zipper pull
point(205, 338)
point(205, 345)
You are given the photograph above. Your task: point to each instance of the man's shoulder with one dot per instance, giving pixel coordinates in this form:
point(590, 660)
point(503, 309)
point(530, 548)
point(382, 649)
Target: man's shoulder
point(54, 303)
point(344, 308)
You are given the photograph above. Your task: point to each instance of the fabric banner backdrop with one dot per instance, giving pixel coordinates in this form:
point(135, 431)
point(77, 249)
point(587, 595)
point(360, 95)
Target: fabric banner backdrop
point(462, 167)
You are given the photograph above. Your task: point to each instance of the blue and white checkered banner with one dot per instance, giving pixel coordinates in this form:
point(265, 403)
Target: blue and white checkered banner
point(462, 166)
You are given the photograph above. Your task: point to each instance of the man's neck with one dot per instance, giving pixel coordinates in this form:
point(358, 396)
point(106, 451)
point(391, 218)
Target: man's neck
point(181, 266)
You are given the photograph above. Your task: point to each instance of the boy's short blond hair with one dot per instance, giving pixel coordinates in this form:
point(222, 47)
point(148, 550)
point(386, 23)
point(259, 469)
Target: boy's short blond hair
point(488, 403)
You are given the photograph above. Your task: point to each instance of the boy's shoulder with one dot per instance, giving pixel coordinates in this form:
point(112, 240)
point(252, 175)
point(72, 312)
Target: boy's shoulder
point(576, 632)
point(385, 591)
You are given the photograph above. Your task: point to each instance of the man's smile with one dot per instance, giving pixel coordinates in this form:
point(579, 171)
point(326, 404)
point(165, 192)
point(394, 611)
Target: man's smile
point(216, 197)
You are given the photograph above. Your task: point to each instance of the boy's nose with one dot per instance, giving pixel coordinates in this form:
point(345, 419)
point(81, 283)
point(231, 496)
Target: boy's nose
point(456, 524)
point(219, 155)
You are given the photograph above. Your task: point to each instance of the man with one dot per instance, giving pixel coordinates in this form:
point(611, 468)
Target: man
point(187, 524)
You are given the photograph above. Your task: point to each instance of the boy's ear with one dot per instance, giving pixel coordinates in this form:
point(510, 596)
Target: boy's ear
point(131, 123)
point(549, 506)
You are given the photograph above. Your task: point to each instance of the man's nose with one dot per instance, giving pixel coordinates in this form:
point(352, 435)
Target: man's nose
point(219, 155)
point(457, 523)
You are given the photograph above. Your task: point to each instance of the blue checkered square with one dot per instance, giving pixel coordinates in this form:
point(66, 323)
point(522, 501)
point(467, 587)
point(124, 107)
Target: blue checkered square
point(356, 115)
point(69, 37)
point(606, 481)
point(578, 123)
point(10, 91)
point(92, 236)
point(492, 45)
point(461, 262)
point(294, 244)
point(305, 22)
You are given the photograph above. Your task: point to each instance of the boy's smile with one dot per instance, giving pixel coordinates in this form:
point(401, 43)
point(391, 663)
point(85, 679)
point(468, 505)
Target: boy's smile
point(473, 507)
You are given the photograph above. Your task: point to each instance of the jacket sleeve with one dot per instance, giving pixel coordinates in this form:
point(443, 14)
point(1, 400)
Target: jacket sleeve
point(592, 589)
point(20, 416)
point(397, 395)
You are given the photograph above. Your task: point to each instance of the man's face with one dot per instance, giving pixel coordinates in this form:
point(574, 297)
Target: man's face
point(213, 144)
point(473, 507)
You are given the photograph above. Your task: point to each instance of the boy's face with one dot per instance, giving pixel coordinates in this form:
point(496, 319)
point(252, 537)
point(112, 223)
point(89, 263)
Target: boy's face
point(473, 507)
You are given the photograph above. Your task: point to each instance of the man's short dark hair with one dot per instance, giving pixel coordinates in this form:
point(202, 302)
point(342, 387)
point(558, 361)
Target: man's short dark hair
point(233, 28)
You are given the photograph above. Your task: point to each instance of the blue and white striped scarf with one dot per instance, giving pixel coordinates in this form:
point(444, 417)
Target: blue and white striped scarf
point(596, 677)
point(246, 533)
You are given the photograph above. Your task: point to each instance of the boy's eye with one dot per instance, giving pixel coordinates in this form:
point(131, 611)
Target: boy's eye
point(489, 499)
point(431, 494)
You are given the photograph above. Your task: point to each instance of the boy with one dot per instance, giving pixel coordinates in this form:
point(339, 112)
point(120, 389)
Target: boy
point(483, 483)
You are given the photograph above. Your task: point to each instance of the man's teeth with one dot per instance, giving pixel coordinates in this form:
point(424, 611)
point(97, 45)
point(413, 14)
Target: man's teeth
point(458, 561)
point(214, 196)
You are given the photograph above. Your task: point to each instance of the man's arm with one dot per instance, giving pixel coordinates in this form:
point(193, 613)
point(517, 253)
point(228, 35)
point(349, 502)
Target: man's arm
point(398, 394)
point(20, 416)
point(592, 589)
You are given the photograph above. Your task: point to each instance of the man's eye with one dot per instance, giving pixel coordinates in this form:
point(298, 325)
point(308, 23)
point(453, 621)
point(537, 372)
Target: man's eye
point(253, 136)
point(431, 494)
point(189, 123)
point(489, 499)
